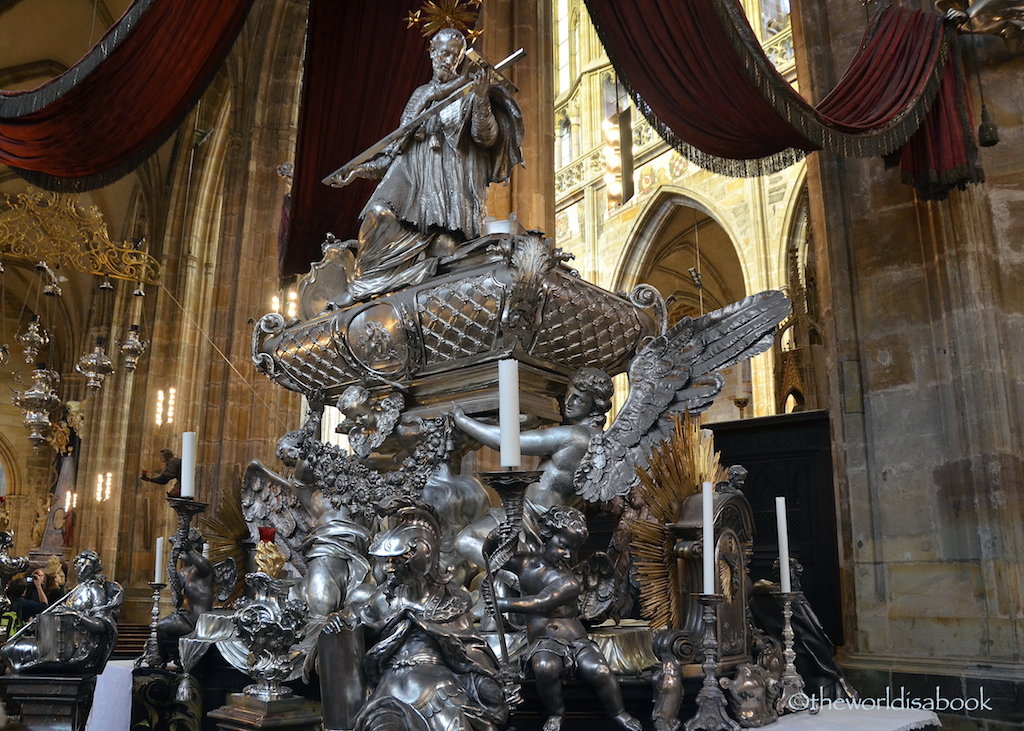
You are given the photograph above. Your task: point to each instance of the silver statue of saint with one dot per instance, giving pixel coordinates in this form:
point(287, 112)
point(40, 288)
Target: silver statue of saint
point(433, 190)
point(78, 633)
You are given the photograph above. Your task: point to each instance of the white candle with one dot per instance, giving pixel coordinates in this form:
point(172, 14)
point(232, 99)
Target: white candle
point(508, 412)
point(158, 577)
point(188, 464)
point(709, 539)
point(780, 519)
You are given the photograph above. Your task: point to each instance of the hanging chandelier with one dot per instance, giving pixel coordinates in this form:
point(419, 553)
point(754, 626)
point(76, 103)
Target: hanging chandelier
point(37, 401)
point(95, 366)
point(132, 348)
point(33, 339)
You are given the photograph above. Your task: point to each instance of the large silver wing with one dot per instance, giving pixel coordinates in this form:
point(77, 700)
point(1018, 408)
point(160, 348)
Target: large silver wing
point(268, 500)
point(675, 372)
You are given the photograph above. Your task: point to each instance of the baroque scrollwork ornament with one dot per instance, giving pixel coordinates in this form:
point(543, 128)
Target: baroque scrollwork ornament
point(752, 695)
point(269, 626)
point(54, 229)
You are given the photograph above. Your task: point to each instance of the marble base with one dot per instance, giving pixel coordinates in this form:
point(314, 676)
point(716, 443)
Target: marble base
point(51, 702)
point(246, 713)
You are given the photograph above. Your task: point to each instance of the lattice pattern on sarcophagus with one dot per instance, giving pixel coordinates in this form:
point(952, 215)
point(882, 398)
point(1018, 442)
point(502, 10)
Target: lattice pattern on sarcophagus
point(459, 319)
point(583, 326)
point(310, 356)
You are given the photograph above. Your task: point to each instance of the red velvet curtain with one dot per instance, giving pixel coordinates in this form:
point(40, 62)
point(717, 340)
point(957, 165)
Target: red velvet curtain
point(677, 57)
point(942, 155)
point(100, 119)
point(697, 72)
point(362, 64)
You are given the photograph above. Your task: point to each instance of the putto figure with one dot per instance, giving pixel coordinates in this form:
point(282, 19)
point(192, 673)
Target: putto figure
point(434, 189)
point(559, 647)
point(78, 633)
point(429, 671)
point(587, 401)
point(197, 597)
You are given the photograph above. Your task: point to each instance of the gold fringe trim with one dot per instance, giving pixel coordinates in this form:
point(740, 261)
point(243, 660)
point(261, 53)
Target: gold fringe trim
point(791, 106)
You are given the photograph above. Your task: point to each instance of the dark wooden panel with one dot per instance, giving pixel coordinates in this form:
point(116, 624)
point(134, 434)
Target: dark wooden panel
point(790, 455)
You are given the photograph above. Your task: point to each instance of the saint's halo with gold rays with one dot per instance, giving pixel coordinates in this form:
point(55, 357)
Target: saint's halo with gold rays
point(434, 15)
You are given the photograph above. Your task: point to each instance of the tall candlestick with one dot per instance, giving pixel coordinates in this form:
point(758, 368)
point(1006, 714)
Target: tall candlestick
point(158, 577)
point(780, 518)
point(709, 539)
point(188, 464)
point(508, 412)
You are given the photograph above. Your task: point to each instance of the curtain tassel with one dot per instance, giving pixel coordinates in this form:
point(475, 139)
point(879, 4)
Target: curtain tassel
point(988, 133)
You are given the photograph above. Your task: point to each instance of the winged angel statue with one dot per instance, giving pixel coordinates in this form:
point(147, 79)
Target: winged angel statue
point(676, 372)
point(325, 511)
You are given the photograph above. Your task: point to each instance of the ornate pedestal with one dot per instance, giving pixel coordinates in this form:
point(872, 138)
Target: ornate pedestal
point(734, 533)
point(247, 713)
point(51, 702)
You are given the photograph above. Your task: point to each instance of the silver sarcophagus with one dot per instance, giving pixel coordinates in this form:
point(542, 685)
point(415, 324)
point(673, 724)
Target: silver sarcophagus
point(500, 296)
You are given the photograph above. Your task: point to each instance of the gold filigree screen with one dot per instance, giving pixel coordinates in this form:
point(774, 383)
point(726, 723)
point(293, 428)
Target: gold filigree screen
point(53, 227)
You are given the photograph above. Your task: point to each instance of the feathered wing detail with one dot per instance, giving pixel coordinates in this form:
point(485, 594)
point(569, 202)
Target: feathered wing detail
point(675, 372)
point(268, 500)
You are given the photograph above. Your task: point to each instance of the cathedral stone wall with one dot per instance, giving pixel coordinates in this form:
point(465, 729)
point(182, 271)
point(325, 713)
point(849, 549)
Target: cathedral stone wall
point(923, 357)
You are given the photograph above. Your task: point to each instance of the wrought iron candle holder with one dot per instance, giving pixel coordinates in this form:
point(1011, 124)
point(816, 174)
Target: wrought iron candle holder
point(792, 683)
point(711, 706)
point(186, 508)
point(511, 488)
point(151, 652)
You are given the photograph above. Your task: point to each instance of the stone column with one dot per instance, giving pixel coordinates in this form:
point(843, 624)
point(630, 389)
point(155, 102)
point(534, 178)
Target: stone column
point(509, 25)
point(921, 302)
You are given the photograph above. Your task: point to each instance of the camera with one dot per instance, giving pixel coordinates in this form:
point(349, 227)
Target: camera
point(29, 579)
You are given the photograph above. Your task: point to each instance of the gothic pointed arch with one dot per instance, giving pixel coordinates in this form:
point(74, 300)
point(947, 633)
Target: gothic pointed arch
point(798, 355)
point(679, 230)
point(683, 246)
